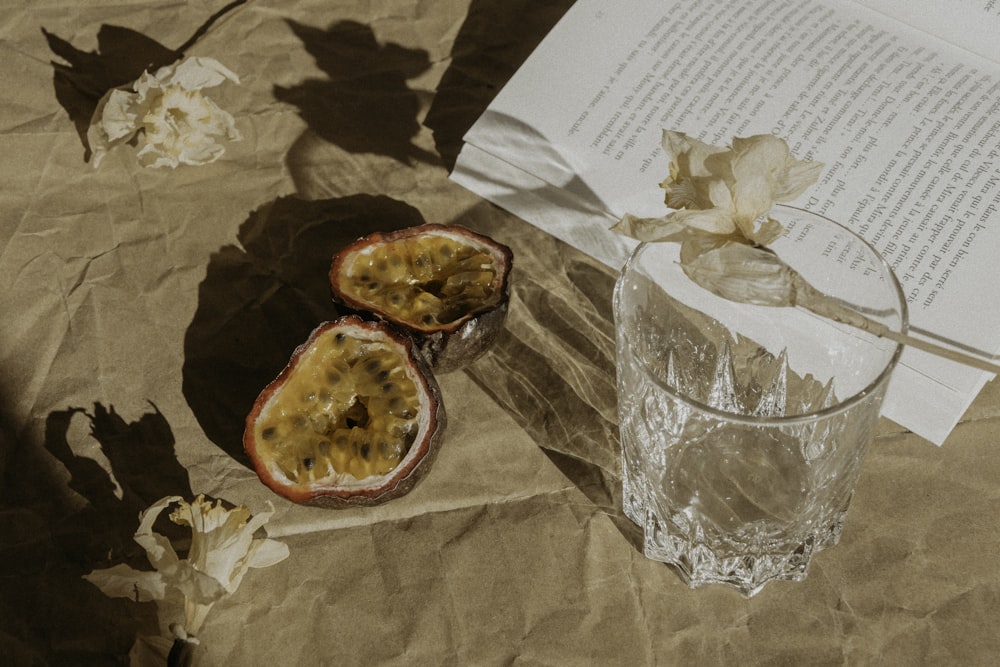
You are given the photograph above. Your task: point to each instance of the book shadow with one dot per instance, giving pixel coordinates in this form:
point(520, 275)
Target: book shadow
point(364, 104)
point(495, 39)
point(74, 514)
point(260, 299)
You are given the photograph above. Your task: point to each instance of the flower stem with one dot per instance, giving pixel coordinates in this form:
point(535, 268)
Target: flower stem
point(812, 299)
point(941, 351)
point(182, 651)
point(756, 275)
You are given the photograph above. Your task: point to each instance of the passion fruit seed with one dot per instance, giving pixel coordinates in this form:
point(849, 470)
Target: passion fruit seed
point(347, 407)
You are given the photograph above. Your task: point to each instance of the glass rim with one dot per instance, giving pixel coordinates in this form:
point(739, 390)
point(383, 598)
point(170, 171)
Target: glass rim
point(841, 405)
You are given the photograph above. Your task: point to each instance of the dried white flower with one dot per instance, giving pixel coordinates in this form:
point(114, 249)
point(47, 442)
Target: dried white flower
point(166, 112)
point(726, 191)
point(722, 199)
point(223, 548)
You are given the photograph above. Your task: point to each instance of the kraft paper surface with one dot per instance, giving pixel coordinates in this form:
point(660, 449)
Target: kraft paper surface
point(145, 309)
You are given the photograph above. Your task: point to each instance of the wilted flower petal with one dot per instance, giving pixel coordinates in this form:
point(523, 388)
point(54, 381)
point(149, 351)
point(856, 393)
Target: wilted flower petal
point(119, 116)
point(649, 229)
point(765, 173)
point(159, 551)
point(122, 581)
point(765, 154)
point(739, 272)
point(195, 74)
point(690, 156)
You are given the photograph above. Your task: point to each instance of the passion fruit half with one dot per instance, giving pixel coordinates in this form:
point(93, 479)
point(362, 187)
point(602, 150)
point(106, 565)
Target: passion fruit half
point(355, 418)
point(444, 285)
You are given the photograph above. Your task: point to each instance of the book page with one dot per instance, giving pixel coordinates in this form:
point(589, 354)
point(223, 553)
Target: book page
point(908, 127)
point(973, 25)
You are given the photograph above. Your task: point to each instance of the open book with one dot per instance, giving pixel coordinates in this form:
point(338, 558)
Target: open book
point(899, 98)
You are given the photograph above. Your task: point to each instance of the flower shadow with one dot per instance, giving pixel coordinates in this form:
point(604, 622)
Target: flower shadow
point(121, 57)
point(552, 369)
point(364, 105)
point(259, 301)
point(59, 522)
point(133, 450)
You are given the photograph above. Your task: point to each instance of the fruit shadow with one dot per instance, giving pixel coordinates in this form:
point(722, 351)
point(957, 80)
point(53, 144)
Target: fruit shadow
point(553, 378)
point(364, 104)
point(495, 39)
point(64, 514)
point(121, 57)
point(260, 299)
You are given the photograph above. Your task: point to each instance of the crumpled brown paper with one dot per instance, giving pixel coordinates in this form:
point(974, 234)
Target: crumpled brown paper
point(144, 309)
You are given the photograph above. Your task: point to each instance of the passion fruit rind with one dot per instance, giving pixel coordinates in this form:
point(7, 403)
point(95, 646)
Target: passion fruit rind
point(445, 285)
point(354, 419)
point(449, 351)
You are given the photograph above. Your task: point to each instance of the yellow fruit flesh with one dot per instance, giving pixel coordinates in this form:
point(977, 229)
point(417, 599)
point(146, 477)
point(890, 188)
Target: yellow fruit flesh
point(425, 280)
point(348, 406)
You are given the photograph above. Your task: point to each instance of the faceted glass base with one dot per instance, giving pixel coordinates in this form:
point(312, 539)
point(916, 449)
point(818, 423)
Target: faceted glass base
point(677, 543)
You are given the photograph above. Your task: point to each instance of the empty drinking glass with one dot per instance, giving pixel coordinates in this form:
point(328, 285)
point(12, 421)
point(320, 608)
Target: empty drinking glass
point(744, 426)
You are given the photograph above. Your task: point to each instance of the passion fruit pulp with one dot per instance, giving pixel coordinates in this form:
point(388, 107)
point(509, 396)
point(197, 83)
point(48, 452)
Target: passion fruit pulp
point(444, 285)
point(355, 418)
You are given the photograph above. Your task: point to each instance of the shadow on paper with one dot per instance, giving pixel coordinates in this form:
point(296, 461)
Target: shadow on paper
point(495, 39)
point(261, 299)
point(78, 502)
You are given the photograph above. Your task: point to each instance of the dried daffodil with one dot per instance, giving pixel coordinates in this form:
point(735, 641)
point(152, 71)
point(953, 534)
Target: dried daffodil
point(722, 199)
point(167, 114)
point(223, 548)
point(724, 191)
